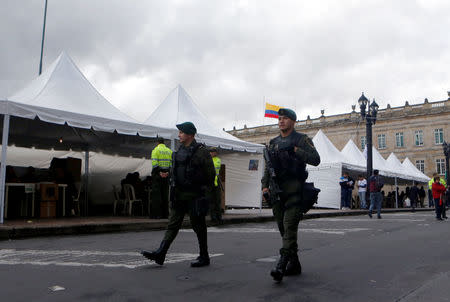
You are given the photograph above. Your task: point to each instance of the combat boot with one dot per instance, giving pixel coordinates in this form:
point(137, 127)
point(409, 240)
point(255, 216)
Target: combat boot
point(159, 255)
point(202, 260)
point(278, 272)
point(294, 267)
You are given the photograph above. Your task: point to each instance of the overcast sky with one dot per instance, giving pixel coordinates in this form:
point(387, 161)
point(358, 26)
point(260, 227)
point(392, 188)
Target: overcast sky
point(230, 55)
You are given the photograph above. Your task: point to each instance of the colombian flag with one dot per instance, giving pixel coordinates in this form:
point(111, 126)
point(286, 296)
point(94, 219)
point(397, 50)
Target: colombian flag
point(271, 110)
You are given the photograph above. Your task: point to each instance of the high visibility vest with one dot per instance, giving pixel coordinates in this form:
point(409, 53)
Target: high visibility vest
point(217, 163)
point(441, 180)
point(161, 157)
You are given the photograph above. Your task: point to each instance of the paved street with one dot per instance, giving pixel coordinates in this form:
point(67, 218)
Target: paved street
point(402, 257)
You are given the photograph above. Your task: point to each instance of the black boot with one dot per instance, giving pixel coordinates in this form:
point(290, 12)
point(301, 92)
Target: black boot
point(159, 255)
point(202, 237)
point(278, 272)
point(294, 267)
point(202, 260)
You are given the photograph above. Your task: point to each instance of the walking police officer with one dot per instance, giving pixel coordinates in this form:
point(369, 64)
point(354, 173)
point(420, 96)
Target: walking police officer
point(193, 178)
point(161, 164)
point(289, 153)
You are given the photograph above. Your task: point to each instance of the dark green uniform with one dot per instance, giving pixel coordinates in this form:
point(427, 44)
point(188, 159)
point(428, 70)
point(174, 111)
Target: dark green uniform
point(290, 168)
point(194, 178)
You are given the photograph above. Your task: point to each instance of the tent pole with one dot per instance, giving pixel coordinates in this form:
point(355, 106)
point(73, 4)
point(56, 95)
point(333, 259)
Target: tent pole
point(172, 144)
point(3, 165)
point(86, 180)
point(396, 196)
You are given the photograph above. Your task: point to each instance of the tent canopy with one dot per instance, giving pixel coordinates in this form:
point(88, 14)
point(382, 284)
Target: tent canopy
point(60, 109)
point(412, 170)
point(179, 107)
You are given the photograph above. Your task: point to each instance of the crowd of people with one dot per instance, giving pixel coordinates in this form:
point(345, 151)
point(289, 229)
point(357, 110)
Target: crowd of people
point(412, 197)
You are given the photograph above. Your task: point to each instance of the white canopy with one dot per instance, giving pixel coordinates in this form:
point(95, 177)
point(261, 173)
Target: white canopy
point(353, 155)
point(394, 164)
point(327, 151)
point(412, 170)
point(178, 107)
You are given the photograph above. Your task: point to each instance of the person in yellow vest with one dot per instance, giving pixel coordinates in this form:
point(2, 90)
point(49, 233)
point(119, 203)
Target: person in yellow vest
point(430, 183)
point(161, 164)
point(215, 205)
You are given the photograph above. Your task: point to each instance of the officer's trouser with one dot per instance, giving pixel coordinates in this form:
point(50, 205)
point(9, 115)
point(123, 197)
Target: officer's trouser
point(287, 220)
point(159, 203)
point(215, 206)
point(198, 224)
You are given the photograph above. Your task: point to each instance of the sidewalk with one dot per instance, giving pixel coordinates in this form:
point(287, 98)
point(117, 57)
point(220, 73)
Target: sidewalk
point(16, 229)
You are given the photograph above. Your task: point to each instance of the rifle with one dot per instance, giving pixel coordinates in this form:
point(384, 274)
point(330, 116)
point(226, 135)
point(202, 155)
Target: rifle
point(274, 190)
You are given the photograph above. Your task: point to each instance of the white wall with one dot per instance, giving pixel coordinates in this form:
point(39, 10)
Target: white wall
point(326, 178)
point(243, 186)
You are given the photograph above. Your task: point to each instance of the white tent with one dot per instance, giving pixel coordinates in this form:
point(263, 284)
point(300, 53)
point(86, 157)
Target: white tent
point(61, 110)
point(242, 182)
point(394, 164)
point(412, 170)
point(179, 107)
point(353, 155)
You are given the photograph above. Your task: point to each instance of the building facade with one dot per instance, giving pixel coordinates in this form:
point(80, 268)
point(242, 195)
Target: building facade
point(414, 131)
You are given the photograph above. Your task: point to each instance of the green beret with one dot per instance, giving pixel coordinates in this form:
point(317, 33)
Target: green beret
point(289, 113)
point(187, 127)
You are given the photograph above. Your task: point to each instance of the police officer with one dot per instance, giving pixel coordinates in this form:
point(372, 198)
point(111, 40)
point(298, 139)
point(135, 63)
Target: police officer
point(215, 209)
point(161, 164)
point(193, 179)
point(289, 153)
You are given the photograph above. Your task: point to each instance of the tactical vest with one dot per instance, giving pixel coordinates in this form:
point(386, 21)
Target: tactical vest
point(187, 175)
point(284, 160)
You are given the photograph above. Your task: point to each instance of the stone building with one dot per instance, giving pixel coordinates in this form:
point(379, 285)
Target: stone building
point(414, 131)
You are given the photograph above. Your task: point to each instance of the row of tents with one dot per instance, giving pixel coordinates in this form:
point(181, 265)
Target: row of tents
point(351, 159)
point(60, 114)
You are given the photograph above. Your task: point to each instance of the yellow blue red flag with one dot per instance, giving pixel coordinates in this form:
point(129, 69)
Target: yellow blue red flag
point(272, 110)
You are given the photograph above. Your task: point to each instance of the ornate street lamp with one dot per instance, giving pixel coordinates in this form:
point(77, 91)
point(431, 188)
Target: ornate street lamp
point(371, 118)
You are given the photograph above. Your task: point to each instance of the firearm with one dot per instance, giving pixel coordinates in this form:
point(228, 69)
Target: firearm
point(274, 190)
point(172, 181)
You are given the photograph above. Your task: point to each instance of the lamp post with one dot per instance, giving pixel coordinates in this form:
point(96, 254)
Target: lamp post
point(371, 117)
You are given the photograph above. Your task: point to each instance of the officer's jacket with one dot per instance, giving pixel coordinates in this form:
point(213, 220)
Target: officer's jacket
point(161, 158)
point(306, 154)
point(194, 171)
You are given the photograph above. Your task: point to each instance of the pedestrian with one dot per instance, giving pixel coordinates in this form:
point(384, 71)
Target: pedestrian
point(161, 164)
point(430, 194)
point(362, 189)
point(375, 184)
point(216, 200)
point(414, 196)
point(191, 184)
point(438, 189)
point(422, 195)
point(347, 184)
point(289, 153)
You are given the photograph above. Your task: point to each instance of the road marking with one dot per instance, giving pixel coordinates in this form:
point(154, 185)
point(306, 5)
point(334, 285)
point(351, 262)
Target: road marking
point(86, 258)
point(268, 259)
point(273, 230)
point(366, 218)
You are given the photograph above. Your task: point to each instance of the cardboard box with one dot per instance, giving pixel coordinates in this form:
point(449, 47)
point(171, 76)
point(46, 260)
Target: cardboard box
point(48, 209)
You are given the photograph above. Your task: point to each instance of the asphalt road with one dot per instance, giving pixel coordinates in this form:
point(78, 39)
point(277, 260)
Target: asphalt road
point(402, 257)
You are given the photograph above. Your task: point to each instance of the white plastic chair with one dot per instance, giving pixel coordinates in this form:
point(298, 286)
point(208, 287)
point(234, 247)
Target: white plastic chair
point(118, 200)
point(131, 198)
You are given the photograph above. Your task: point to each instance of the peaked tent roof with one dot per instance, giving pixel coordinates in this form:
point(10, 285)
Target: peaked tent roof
point(412, 170)
point(394, 164)
point(179, 107)
point(61, 95)
point(327, 151)
point(353, 155)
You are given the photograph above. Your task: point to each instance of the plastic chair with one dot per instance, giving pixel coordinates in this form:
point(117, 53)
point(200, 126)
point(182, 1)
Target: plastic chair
point(76, 199)
point(131, 198)
point(118, 200)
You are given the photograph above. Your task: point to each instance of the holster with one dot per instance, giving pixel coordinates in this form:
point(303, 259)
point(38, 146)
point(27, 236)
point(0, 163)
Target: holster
point(309, 196)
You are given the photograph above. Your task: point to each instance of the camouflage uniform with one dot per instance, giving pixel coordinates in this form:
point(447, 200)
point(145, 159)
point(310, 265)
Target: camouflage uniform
point(290, 168)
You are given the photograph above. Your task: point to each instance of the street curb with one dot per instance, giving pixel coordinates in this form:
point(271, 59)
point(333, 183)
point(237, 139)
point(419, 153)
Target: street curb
point(9, 233)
